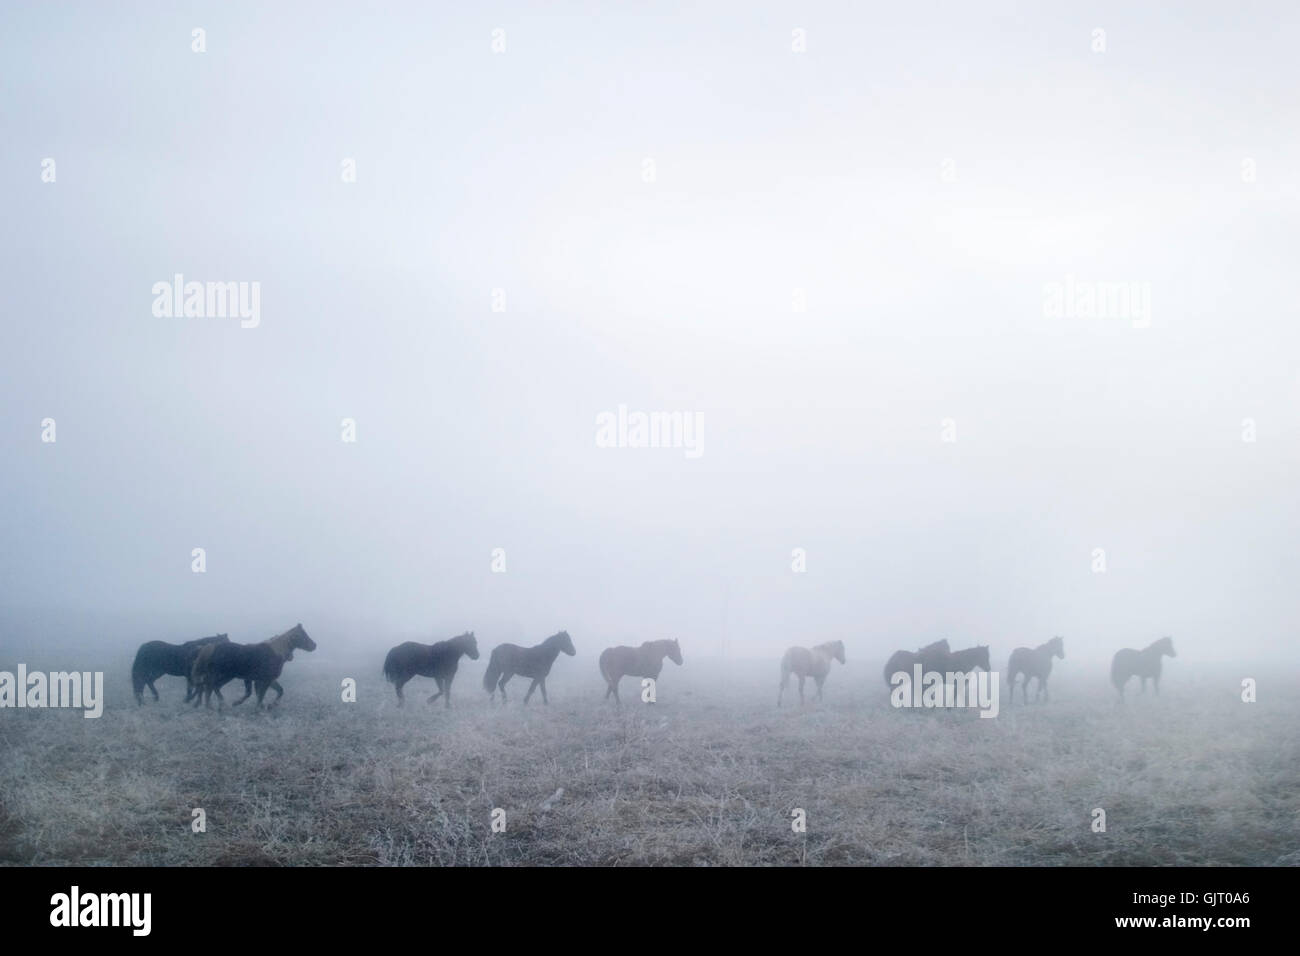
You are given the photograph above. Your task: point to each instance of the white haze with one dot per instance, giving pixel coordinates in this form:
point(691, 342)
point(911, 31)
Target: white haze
point(775, 171)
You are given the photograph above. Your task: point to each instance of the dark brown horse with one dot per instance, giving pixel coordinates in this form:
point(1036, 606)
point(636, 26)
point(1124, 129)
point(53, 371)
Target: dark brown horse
point(507, 660)
point(438, 660)
point(1144, 663)
point(965, 661)
point(256, 664)
point(932, 657)
point(156, 659)
point(805, 662)
point(644, 661)
point(1033, 662)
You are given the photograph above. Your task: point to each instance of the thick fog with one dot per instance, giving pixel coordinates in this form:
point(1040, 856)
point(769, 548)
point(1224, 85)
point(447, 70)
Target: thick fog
point(836, 252)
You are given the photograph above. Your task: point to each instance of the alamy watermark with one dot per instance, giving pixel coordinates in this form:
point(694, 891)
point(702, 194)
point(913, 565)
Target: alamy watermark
point(922, 688)
point(624, 429)
point(83, 691)
point(1079, 299)
point(208, 300)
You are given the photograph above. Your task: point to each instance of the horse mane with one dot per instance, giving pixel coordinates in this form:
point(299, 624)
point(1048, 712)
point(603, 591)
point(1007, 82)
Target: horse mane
point(281, 643)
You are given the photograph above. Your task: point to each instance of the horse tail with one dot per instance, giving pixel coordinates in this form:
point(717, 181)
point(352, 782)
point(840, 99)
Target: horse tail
point(137, 673)
point(493, 672)
point(390, 667)
point(1115, 668)
point(785, 670)
point(604, 658)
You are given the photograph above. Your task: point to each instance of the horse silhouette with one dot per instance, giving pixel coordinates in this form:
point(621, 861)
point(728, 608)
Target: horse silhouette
point(644, 661)
point(1033, 662)
point(438, 660)
point(1144, 663)
point(932, 657)
point(256, 664)
point(805, 662)
point(965, 661)
point(507, 660)
point(157, 659)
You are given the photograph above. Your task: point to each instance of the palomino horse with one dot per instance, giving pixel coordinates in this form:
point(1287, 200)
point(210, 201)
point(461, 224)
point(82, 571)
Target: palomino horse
point(507, 660)
point(644, 661)
point(1144, 663)
point(932, 657)
point(255, 664)
point(1033, 662)
point(438, 661)
point(805, 662)
point(156, 659)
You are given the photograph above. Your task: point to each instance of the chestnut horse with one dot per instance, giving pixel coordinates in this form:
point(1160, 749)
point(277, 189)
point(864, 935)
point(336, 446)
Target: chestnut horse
point(644, 661)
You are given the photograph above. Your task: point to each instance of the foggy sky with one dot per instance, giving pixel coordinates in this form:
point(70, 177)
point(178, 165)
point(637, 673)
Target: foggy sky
point(775, 171)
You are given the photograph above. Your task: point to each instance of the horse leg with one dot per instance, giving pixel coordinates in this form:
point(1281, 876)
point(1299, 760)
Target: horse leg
point(397, 686)
point(1155, 682)
point(279, 692)
point(801, 679)
point(504, 678)
point(437, 695)
point(1144, 685)
point(153, 690)
point(820, 681)
point(248, 692)
point(542, 681)
point(531, 687)
point(446, 691)
point(261, 692)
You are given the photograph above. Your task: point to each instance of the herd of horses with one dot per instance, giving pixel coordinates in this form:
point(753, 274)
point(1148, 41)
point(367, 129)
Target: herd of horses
point(209, 663)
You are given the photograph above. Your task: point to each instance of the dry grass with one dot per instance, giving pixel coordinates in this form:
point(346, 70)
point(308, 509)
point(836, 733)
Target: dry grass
point(708, 776)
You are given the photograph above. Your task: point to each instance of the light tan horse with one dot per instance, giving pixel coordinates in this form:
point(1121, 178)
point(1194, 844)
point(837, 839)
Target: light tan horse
point(644, 661)
point(814, 662)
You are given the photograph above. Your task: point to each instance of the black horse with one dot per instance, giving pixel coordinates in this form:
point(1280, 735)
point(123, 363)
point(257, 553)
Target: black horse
point(255, 664)
point(438, 661)
point(1144, 663)
point(1033, 662)
point(157, 659)
point(932, 657)
point(507, 660)
point(965, 661)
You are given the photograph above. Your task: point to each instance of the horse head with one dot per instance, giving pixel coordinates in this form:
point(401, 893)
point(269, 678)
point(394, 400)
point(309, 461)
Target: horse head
point(1166, 645)
point(1057, 645)
point(837, 648)
point(674, 652)
point(565, 642)
point(469, 644)
point(298, 639)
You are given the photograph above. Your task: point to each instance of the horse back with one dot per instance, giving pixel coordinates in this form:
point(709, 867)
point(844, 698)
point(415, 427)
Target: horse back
point(246, 661)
